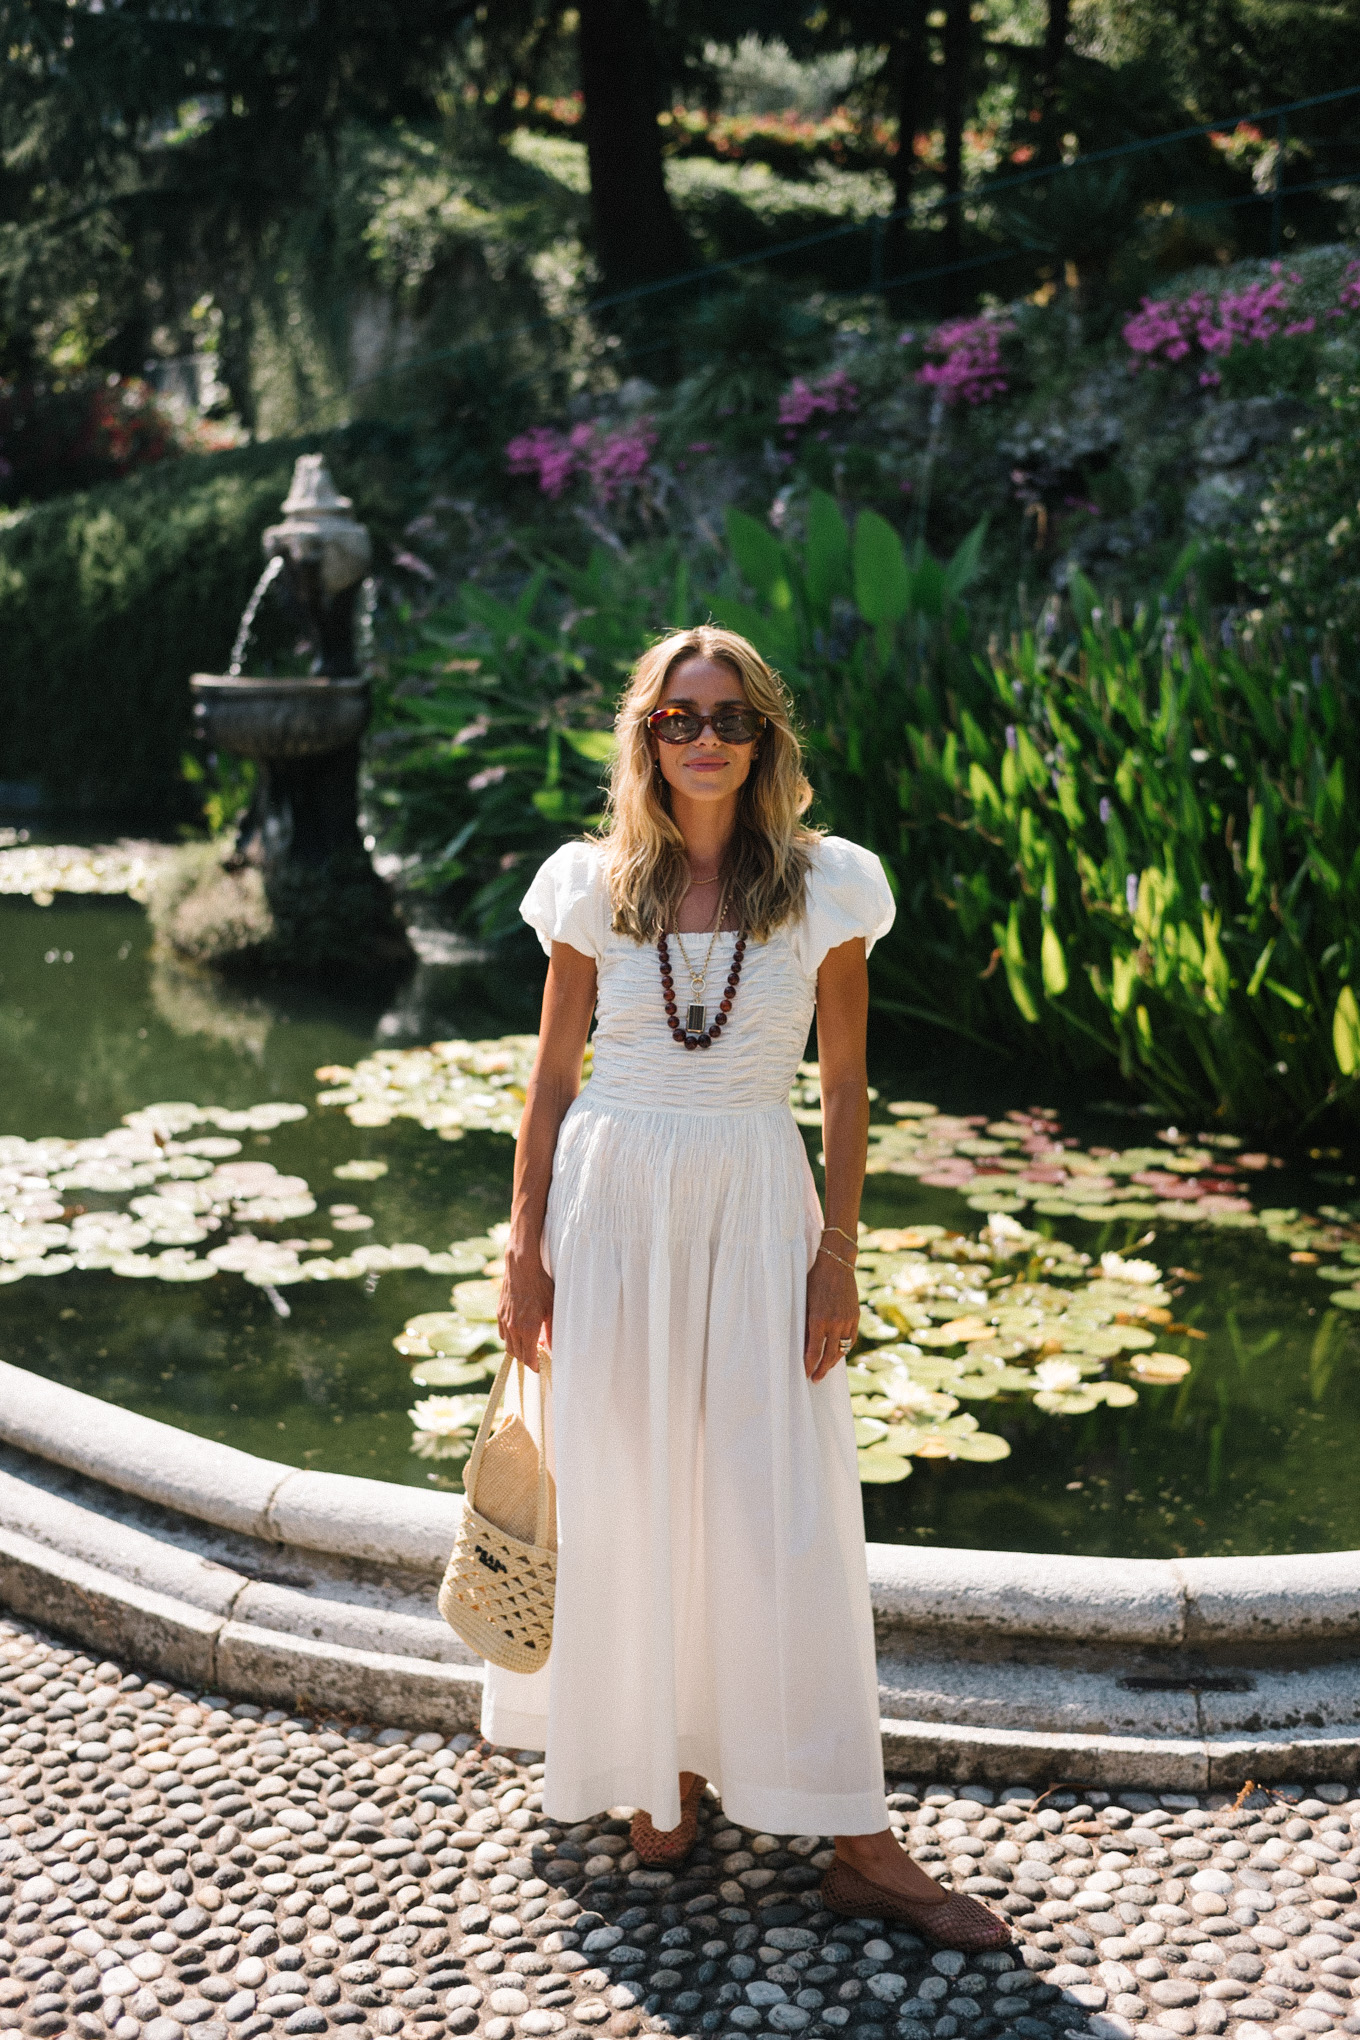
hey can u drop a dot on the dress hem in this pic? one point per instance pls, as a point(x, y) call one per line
point(761, 1809)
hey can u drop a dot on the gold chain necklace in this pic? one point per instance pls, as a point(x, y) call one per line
point(696, 1018)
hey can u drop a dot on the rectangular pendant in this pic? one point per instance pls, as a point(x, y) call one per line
point(696, 1019)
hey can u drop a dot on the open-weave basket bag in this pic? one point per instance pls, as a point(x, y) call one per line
point(499, 1587)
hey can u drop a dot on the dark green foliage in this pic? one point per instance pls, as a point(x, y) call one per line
point(498, 725)
point(1137, 852)
point(110, 599)
point(1302, 552)
point(1131, 848)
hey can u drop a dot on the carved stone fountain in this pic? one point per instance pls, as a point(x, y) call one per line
point(297, 891)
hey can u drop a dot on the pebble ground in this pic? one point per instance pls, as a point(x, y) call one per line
point(177, 1863)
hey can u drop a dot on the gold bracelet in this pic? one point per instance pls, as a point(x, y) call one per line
point(837, 1257)
point(844, 1234)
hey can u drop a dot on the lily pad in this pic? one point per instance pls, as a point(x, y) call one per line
point(1116, 1395)
point(1070, 1402)
point(477, 1300)
point(359, 1172)
point(1345, 1299)
point(448, 1334)
point(982, 1445)
point(872, 1326)
point(880, 1468)
point(440, 1372)
point(1160, 1369)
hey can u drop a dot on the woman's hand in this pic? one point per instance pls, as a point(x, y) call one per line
point(832, 1315)
point(524, 1314)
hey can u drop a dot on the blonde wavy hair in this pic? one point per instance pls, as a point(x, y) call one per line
point(645, 860)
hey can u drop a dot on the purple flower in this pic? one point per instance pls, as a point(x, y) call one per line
point(610, 459)
point(1131, 892)
point(1315, 668)
point(1018, 689)
point(1206, 895)
point(1225, 631)
point(1010, 736)
point(1105, 809)
point(546, 453)
point(830, 394)
point(620, 458)
point(970, 369)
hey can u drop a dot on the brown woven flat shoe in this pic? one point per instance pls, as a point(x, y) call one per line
point(959, 1922)
point(661, 1848)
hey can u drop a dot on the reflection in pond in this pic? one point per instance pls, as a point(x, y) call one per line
point(1037, 1394)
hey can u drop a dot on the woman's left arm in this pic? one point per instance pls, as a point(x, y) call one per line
point(842, 1023)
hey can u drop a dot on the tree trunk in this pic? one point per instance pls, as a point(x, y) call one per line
point(911, 56)
point(1050, 80)
point(957, 41)
point(637, 236)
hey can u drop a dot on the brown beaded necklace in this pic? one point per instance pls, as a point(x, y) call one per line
point(698, 1031)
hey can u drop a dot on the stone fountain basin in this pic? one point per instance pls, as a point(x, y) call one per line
point(242, 1575)
point(275, 719)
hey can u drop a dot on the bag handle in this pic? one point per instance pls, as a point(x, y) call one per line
point(479, 1443)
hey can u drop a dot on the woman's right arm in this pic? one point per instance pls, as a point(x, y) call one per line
point(526, 1305)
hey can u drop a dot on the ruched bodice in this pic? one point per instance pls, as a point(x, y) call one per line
point(752, 1064)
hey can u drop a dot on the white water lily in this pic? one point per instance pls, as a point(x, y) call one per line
point(444, 1424)
point(1057, 1375)
point(1003, 1227)
point(1116, 1269)
point(914, 1277)
point(904, 1393)
point(443, 1415)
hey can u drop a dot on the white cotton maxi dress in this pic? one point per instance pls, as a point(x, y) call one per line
point(712, 1609)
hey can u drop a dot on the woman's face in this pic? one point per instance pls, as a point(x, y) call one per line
point(706, 769)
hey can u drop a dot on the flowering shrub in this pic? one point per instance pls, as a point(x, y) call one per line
point(970, 368)
point(612, 460)
point(803, 400)
point(1169, 329)
point(93, 430)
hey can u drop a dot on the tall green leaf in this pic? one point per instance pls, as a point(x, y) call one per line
point(966, 563)
point(882, 576)
point(826, 558)
point(759, 555)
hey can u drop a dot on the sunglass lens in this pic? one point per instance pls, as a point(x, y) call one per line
point(736, 726)
point(674, 726)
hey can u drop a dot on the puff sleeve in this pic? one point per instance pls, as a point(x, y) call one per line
point(847, 895)
point(569, 901)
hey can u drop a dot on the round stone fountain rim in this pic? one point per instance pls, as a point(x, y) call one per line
point(129, 1533)
point(1308, 1597)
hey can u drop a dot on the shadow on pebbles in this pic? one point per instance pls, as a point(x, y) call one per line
point(176, 1862)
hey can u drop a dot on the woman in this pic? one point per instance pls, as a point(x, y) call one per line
point(712, 1617)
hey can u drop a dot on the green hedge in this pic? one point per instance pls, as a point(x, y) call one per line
point(111, 598)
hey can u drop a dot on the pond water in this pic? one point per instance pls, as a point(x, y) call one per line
point(1254, 1450)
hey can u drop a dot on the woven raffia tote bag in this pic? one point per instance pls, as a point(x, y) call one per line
point(499, 1587)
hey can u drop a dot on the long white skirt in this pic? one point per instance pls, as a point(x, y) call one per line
point(712, 1606)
